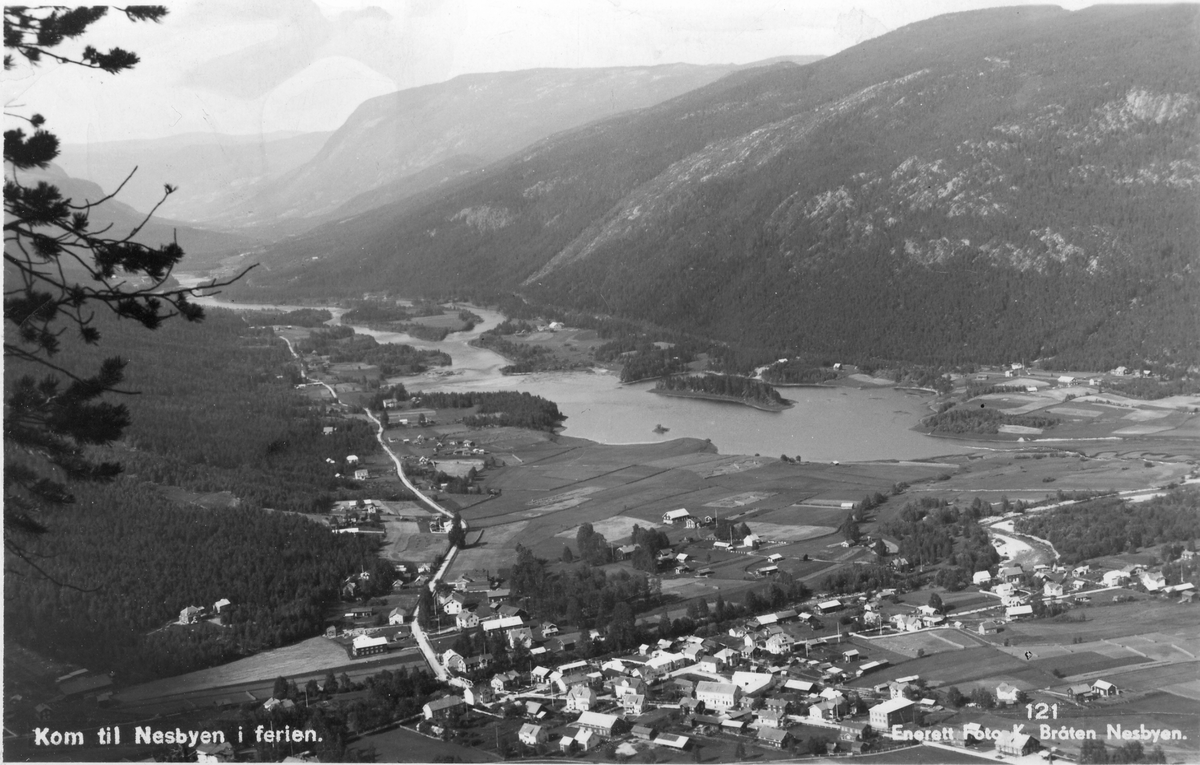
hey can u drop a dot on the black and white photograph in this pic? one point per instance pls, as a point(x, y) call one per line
point(602, 381)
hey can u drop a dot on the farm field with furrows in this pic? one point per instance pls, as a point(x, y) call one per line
point(1109, 622)
point(550, 490)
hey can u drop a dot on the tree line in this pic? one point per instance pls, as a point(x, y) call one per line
point(134, 559)
point(1111, 526)
point(983, 421)
point(341, 345)
point(724, 386)
point(499, 408)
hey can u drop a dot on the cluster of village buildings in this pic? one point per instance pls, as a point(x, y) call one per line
point(753, 684)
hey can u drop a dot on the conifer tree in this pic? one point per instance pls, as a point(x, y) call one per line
point(59, 270)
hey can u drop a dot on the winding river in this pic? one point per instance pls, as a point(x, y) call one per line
point(826, 424)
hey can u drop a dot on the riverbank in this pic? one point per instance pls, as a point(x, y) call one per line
point(762, 407)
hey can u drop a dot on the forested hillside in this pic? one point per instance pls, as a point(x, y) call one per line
point(139, 560)
point(1112, 526)
point(983, 186)
point(216, 411)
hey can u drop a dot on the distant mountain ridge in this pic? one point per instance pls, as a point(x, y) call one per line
point(214, 173)
point(982, 186)
point(200, 245)
point(435, 133)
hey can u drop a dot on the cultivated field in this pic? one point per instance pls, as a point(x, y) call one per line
point(405, 541)
point(493, 552)
point(404, 745)
point(930, 642)
point(1111, 621)
point(311, 655)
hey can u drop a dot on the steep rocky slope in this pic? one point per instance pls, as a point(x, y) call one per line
point(1011, 183)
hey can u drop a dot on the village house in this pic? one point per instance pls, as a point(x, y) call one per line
point(895, 711)
point(520, 636)
point(627, 685)
point(583, 740)
point(439, 707)
point(675, 516)
point(478, 694)
point(718, 696)
point(453, 661)
point(823, 711)
point(774, 737)
point(600, 724)
point(364, 645)
point(770, 718)
point(1007, 694)
point(1114, 578)
point(580, 698)
point(1104, 689)
point(1081, 692)
point(504, 681)
point(1015, 744)
point(633, 704)
point(453, 603)
point(1011, 573)
point(191, 615)
point(711, 664)
point(1153, 581)
point(398, 615)
point(981, 577)
point(532, 735)
point(478, 661)
point(466, 620)
point(906, 622)
point(779, 642)
point(989, 627)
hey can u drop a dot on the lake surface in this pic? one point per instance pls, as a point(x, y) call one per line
point(826, 424)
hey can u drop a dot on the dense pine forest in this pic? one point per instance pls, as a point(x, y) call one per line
point(341, 345)
point(732, 387)
point(931, 532)
point(797, 372)
point(1111, 526)
point(502, 408)
point(140, 559)
point(301, 317)
point(982, 421)
point(216, 411)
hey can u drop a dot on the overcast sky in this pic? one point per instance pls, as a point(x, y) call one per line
point(254, 66)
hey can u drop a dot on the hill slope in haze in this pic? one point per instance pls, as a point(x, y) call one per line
point(203, 247)
point(985, 186)
point(215, 173)
point(396, 145)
